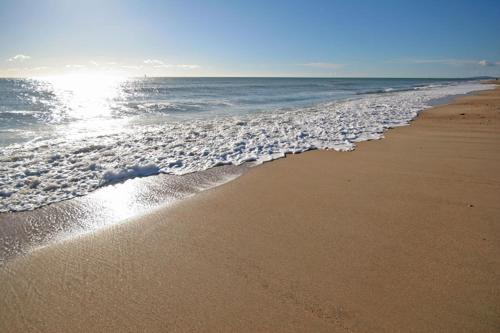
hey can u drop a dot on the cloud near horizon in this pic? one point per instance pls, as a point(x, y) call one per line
point(155, 62)
point(449, 61)
point(487, 63)
point(326, 65)
point(19, 58)
point(188, 66)
point(161, 64)
point(19, 64)
point(76, 66)
point(133, 67)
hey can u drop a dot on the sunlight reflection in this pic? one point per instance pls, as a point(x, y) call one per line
point(86, 95)
point(88, 101)
point(120, 201)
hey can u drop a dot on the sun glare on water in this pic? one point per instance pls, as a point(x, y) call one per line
point(86, 101)
point(86, 95)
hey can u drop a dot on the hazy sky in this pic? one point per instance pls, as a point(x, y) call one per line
point(251, 38)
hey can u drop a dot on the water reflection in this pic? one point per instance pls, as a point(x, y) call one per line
point(22, 232)
point(86, 96)
point(83, 105)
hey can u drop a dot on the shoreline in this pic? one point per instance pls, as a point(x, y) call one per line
point(398, 235)
point(22, 232)
point(54, 171)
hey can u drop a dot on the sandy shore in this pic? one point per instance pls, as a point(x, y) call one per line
point(401, 235)
point(21, 232)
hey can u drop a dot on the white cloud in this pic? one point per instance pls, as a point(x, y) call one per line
point(76, 66)
point(156, 63)
point(153, 62)
point(95, 63)
point(452, 62)
point(20, 71)
point(131, 67)
point(40, 68)
point(19, 58)
point(326, 65)
point(161, 64)
point(488, 63)
point(449, 62)
point(188, 66)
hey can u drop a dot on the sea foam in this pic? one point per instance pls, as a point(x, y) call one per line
point(45, 171)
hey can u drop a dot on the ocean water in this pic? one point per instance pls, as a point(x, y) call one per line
point(66, 136)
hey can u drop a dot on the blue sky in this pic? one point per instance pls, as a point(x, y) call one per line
point(251, 38)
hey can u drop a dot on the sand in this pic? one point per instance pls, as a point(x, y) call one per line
point(401, 235)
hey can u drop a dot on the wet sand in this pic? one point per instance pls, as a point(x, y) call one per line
point(401, 235)
point(23, 232)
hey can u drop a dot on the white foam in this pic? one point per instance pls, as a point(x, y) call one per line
point(45, 171)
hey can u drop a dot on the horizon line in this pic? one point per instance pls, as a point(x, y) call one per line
point(274, 77)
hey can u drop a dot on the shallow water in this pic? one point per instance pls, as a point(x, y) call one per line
point(65, 137)
point(22, 232)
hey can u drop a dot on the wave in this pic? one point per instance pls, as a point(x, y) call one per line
point(402, 89)
point(386, 90)
point(45, 171)
point(171, 106)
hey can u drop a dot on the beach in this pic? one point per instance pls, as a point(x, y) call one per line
point(399, 235)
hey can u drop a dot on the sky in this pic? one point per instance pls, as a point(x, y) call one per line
point(318, 38)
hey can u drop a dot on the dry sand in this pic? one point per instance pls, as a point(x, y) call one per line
point(401, 235)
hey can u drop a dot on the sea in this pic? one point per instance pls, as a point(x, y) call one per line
point(66, 136)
